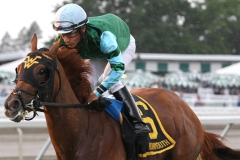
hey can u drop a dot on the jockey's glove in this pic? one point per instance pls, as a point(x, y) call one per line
point(100, 104)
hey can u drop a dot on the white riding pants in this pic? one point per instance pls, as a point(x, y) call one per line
point(101, 67)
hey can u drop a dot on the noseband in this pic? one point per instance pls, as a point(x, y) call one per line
point(34, 106)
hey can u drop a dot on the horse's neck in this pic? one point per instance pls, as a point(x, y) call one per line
point(74, 130)
point(57, 115)
point(65, 93)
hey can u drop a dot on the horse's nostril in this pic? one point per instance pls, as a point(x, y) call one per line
point(14, 104)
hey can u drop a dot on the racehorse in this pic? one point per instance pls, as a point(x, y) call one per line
point(59, 77)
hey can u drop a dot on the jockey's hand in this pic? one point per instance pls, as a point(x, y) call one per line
point(92, 97)
point(98, 104)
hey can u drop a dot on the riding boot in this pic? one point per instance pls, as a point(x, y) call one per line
point(139, 126)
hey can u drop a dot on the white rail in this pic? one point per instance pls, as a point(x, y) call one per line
point(36, 123)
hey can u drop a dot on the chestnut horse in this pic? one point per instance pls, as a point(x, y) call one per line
point(81, 133)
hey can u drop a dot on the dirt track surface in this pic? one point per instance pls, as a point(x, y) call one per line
point(34, 139)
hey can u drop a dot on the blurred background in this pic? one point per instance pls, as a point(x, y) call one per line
point(190, 47)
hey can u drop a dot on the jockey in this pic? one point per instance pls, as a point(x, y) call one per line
point(105, 41)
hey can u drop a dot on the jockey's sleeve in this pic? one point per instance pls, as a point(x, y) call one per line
point(109, 46)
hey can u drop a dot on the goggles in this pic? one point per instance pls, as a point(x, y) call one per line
point(72, 34)
point(70, 25)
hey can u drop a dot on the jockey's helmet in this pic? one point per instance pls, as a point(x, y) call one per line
point(69, 17)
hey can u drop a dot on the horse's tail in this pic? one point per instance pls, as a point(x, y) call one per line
point(213, 148)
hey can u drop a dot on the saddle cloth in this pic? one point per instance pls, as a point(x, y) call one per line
point(156, 142)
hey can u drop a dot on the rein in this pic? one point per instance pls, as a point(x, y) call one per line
point(50, 104)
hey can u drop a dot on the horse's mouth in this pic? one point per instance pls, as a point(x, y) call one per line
point(14, 111)
point(14, 116)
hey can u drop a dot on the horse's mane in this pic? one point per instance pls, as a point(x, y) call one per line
point(76, 71)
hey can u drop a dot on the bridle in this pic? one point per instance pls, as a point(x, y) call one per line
point(36, 104)
point(44, 92)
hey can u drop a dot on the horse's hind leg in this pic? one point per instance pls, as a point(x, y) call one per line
point(186, 148)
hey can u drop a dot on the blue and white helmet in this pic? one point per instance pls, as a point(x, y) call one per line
point(68, 18)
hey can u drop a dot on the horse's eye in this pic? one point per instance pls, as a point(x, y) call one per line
point(42, 71)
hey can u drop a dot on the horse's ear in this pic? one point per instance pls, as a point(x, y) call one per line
point(34, 43)
point(53, 50)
